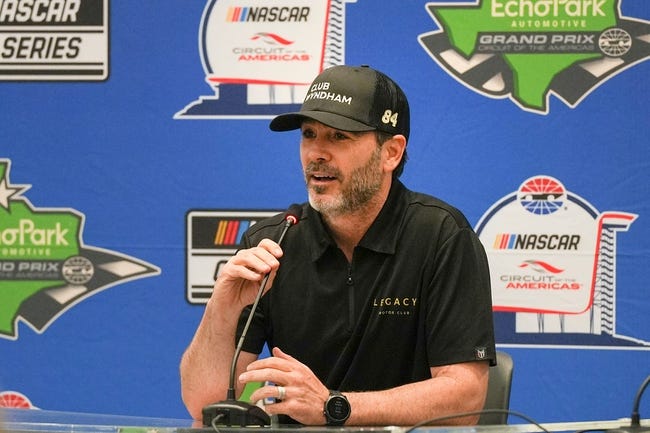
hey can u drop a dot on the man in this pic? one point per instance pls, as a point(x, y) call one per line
point(379, 299)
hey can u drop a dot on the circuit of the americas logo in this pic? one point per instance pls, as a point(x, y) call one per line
point(54, 40)
point(259, 56)
point(553, 267)
point(212, 237)
point(45, 268)
point(527, 50)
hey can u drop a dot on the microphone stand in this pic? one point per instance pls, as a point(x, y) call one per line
point(232, 412)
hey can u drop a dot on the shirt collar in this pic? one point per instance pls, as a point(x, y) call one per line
point(382, 234)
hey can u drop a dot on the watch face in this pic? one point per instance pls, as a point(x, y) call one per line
point(338, 408)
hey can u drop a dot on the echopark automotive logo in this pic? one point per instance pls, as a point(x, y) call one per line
point(45, 268)
point(528, 50)
point(552, 259)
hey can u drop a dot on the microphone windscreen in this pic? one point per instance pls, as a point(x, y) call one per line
point(294, 213)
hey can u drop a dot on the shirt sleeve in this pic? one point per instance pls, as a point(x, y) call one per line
point(459, 312)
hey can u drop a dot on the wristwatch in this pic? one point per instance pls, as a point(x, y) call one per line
point(337, 408)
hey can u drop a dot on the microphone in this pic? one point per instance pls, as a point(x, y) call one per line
point(232, 412)
point(635, 423)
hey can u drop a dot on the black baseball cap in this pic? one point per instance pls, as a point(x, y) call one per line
point(351, 98)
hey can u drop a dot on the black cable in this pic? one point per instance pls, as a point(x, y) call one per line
point(215, 420)
point(477, 412)
point(636, 418)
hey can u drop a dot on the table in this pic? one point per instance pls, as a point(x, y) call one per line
point(39, 421)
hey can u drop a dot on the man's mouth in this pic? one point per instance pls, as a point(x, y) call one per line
point(323, 178)
point(321, 175)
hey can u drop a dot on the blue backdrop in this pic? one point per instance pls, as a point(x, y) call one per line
point(116, 153)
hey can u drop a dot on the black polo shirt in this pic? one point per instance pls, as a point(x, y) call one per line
point(416, 295)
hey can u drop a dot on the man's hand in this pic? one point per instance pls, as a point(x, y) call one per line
point(304, 395)
point(239, 280)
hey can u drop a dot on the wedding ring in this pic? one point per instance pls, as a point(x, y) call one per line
point(282, 393)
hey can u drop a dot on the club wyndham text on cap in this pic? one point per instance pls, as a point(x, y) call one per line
point(351, 98)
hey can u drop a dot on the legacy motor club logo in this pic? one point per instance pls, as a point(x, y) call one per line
point(552, 262)
point(45, 269)
point(527, 50)
point(54, 40)
point(259, 56)
point(212, 238)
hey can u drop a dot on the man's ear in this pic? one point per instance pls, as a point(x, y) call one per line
point(394, 151)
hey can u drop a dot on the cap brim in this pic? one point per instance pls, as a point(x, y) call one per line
point(291, 121)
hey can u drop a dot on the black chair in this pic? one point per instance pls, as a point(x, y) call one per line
point(498, 393)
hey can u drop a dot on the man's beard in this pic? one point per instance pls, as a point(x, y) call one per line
point(364, 183)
